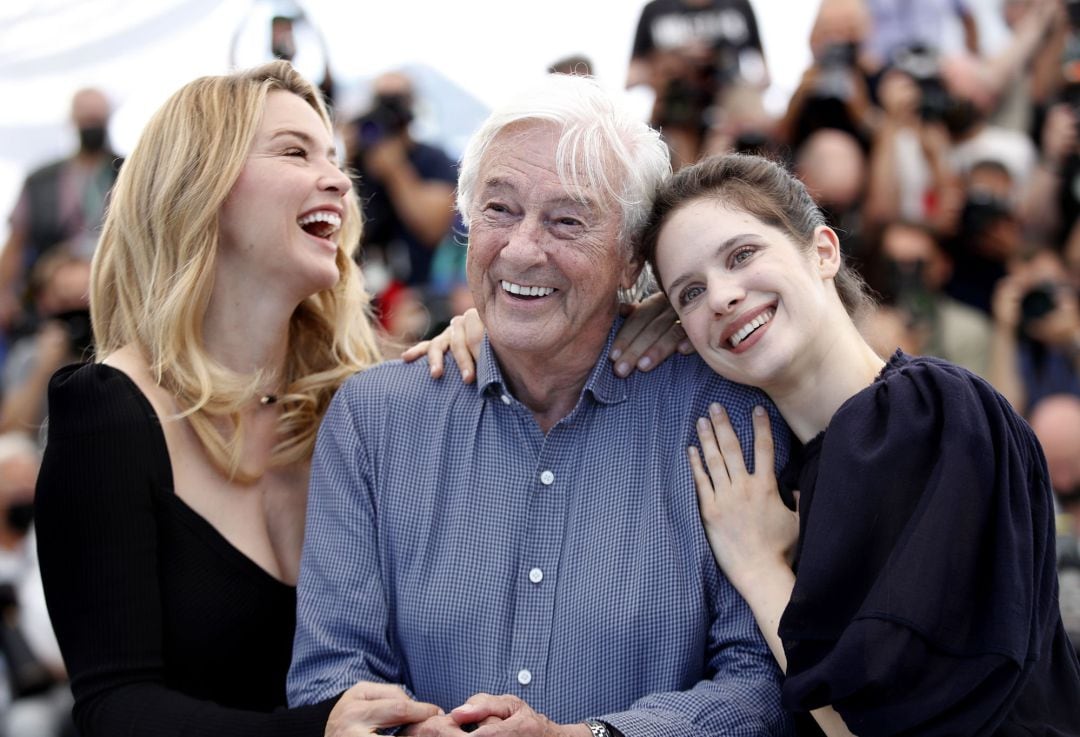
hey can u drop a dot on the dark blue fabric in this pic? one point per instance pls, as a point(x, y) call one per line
point(925, 601)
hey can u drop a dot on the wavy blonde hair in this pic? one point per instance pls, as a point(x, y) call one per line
point(153, 271)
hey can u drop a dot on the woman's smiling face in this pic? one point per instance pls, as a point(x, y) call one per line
point(751, 300)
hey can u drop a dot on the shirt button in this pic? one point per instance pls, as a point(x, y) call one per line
point(547, 478)
point(505, 398)
point(524, 677)
point(536, 575)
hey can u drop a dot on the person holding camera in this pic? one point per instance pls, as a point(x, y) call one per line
point(1035, 348)
point(406, 187)
point(687, 53)
point(60, 285)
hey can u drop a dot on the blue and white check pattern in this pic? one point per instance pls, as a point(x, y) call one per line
point(454, 548)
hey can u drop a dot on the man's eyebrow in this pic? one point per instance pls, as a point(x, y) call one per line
point(304, 138)
point(725, 245)
point(501, 184)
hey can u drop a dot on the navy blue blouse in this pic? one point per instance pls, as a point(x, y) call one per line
point(925, 599)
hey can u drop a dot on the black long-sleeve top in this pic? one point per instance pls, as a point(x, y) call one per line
point(165, 627)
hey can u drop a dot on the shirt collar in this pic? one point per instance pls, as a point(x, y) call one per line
point(602, 383)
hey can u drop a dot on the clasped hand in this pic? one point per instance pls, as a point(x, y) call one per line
point(749, 528)
point(368, 707)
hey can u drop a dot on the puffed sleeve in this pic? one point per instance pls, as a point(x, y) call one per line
point(98, 547)
point(924, 588)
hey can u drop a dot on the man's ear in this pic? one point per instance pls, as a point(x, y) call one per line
point(827, 251)
point(631, 274)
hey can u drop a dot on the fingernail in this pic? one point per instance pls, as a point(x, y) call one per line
point(716, 409)
point(759, 410)
point(615, 353)
point(622, 369)
point(703, 423)
point(644, 363)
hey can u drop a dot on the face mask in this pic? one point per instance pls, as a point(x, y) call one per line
point(1070, 497)
point(19, 516)
point(92, 138)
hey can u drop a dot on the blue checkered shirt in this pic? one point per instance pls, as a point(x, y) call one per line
point(454, 548)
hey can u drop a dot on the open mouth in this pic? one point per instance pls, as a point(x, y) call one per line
point(749, 328)
point(321, 224)
point(523, 291)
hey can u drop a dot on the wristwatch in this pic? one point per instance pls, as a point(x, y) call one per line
point(598, 729)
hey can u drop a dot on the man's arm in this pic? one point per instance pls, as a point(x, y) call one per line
point(342, 624)
point(425, 205)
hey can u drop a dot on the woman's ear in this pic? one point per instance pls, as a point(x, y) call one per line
point(827, 251)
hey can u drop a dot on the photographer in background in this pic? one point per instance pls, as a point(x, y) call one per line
point(910, 269)
point(34, 697)
point(687, 52)
point(60, 286)
point(406, 187)
point(60, 207)
point(1035, 349)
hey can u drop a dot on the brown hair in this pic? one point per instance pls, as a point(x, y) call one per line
point(760, 187)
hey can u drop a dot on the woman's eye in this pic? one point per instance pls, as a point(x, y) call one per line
point(689, 294)
point(741, 255)
point(296, 152)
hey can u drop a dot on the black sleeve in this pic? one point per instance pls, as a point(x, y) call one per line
point(643, 40)
point(925, 586)
point(97, 542)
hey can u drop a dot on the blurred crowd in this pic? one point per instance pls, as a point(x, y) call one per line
point(952, 175)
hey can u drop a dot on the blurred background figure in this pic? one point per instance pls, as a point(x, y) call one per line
point(910, 271)
point(60, 289)
point(406, 188)
point(1056, 422)
point(60, 207)
point(833, 166)
point(34, 697)
point(687, 52)
point(1035, 348)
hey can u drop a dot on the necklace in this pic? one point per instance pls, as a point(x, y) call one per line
point(268, 399)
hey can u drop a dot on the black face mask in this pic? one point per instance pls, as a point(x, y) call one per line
point(19, 516)
point(92, 138)
point(1070, 497)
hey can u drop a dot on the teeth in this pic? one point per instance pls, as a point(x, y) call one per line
point(321, 216)
point(750, 327)
point(526, 291)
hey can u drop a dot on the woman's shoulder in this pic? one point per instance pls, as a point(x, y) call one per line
point(95, 397)
point(912, 391)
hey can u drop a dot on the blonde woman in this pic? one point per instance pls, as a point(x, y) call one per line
point(170, 506)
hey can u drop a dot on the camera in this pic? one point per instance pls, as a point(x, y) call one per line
point(921, 64)
point(837, 63)
point(981, 211)
point(1038, 302)
point(389, 116)
point(79, 330)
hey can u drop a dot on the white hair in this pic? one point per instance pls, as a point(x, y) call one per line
point(603, 147)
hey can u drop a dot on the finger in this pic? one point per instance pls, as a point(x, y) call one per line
point(459, 347)
point(437, 349)
point(705, 490)
point(638, 318)
point(763, 441)
point(414, 352)
point(686, 347)
point(727, 440)
point(714, 459)
point(372, 690)
point(656, 341)
point(481, 706)
point(392, 712)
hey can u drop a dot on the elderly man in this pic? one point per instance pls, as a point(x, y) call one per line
point(528, 548)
